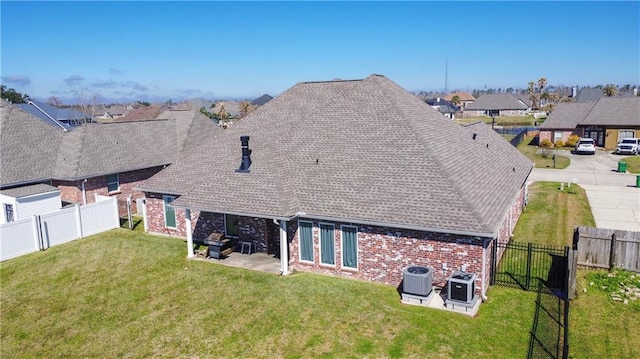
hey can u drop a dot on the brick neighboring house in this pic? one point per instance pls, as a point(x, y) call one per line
point(494, 105)
point(465, 98)
point(607, 121)
point(95, 159)
point(350, 178)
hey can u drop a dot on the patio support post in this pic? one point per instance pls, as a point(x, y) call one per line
point(284, 248)
point(187, 222)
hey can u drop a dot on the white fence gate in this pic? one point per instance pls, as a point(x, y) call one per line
point(43, 231)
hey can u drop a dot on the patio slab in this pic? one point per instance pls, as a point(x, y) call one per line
point(260, 262)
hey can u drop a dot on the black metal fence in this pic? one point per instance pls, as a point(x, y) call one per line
point(518, 133)
point(550, 331)
point(545, 270)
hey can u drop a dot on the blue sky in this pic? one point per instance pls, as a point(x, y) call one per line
point(128, 51)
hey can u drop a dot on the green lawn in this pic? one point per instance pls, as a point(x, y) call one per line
point(127, 294)
point(528, 120)
point(633, 163)
point(542, 160)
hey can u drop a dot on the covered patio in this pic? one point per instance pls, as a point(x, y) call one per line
point(261, 262)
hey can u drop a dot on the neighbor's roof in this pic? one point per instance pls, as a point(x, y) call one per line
point(589, 94)
point(566, 115)
point(142, 113)
point(33, 151)
point(28, 146)
point(262, 100)
point(31, 190)
point(615, 111)
point(496, 102)
point(463, 96)
point(362, 151)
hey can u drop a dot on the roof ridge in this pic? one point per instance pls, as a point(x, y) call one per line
point(441, 167)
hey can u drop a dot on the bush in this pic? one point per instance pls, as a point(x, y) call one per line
point(572, 141)
point(559, 143)
point(546, 143)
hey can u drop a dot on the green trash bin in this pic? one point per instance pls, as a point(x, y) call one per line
point(638, 181)
point(622, 167)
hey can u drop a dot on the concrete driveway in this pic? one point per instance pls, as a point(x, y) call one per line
point(613, 196)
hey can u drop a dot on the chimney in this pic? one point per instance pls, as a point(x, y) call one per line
point(246, 155)
point(574, 91)
point(635, 91)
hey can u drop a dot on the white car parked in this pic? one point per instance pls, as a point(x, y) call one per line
point(586, 145)
point(628, 146)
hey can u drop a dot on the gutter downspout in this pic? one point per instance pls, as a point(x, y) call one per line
point(484, 288)
point(284, 248)
point(48, 116)
point(84, 192)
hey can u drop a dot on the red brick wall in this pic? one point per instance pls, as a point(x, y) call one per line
point(382, 252)
point(71, 191)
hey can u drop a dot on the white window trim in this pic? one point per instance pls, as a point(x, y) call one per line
point(117, 190)
point(320, 243)
point(342, 227)
point(313, 252)
point(225, 225)
point(164, 211)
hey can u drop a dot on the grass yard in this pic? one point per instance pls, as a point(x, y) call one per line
point(528, 120)
point(127, 294)
point(633, 164)
point(599, 327)
point(538, 159)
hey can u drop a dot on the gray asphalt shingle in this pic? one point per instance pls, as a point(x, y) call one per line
point(362, 150)
point(496, 102)
point(567, 115)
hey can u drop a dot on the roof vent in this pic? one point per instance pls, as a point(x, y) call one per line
point(474, 136)
point(246, 155)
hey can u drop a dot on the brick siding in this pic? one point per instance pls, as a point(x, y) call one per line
point(383, 252)
point(71, 191)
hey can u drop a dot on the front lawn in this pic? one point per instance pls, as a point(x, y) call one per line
point(541, 157)
point(633, 163)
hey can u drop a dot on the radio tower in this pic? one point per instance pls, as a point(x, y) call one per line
point(446, 75)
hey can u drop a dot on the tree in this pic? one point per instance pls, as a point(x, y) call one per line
point(246, 108)
point(455, 100)
point(610, 90)
point(12, 95)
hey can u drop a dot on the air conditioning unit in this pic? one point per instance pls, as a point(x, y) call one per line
point(461, 288)
point(417, 280)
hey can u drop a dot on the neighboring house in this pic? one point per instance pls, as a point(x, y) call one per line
point(495, 105)
point(68, 117)
point(610, 120)
point(64, 118)
point(24, 202)
point(465, 98)
point(115, 112)
point(95, 159)
point(262, 100)
point(562, 122)
point(607, 121)
point(141, 113)
point(445, 107)
point(354, 178)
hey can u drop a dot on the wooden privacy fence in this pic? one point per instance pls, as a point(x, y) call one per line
point(607, 248)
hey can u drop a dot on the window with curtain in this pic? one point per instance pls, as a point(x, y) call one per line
point(231, 225)
point(305, 236)
point(169, 212)
point(350, 247)
point(327, 239)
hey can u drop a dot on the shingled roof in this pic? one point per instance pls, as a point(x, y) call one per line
point(361, 151)
point(615, 111)
point(567, 115)
point(501, 101)
point(33, 151)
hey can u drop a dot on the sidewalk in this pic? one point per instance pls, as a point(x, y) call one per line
point(613, 197)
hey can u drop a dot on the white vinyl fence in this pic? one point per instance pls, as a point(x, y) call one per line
point(43, 231)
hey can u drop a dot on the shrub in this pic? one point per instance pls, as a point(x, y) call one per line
point(572, 141)
point(546, 143)
point(559, 143)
